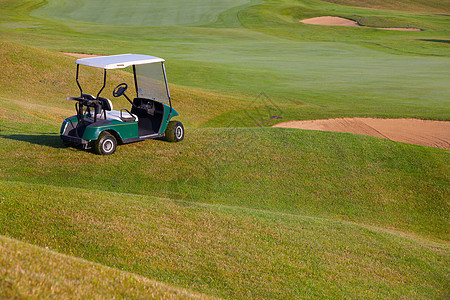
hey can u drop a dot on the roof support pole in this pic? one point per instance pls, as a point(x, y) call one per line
point(135, 81)
point(78, 83)
point(167, 86)
point(104, 84)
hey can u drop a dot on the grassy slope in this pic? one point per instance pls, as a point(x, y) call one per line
point(31, 272)
point(225, 251)
point(400, 189)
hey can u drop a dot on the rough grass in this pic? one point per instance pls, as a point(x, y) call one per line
point(224, 251)
point(31, 272)
point(339, 176)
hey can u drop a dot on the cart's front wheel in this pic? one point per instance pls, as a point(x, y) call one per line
point(174, 131)
point(105, 144)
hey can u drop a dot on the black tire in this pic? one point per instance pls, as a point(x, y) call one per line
point(105, 144)
point(174, 132)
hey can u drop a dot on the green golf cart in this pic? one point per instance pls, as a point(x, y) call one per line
point(99, 127)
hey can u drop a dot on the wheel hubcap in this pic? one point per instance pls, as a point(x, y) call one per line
point(107, 146)
point(179, 132)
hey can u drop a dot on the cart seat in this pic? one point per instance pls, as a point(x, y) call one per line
point(106, 103)
point(126, 116)
point(115, 114)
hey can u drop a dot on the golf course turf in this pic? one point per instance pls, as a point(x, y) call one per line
point(235, 210)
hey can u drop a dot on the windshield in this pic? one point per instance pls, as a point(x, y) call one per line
point(151, 82)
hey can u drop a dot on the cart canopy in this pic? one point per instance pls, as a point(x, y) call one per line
point(149, 73)
point(118, 61)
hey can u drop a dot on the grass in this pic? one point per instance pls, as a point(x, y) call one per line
point(35, 272)
point(337, 176)
point(412, 5)
point(141, 13)
point(283, 20)
point(233, 211)
point(225, 251)
point(283, 62)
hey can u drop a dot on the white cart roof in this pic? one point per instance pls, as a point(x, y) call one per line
point(118, 61)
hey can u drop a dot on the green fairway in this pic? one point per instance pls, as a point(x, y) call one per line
point(309, 71)
point(235, 210)
point(138, 12)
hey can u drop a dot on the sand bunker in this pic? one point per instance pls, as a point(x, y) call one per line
point(330, 21)
point(412, 131)
point(80, 55)
point(337, 21)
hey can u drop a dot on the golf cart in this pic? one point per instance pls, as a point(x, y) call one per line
point(97, 126)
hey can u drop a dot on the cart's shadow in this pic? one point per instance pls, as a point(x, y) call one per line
point(49, 139)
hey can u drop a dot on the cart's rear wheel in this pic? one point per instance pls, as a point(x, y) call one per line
point(105, 144)
point(174, 131)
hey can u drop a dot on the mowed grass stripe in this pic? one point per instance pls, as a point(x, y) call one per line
point(139, 12)
point(223, 251)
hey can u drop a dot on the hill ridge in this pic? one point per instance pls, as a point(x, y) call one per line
point(28, 270)
point(411, 236)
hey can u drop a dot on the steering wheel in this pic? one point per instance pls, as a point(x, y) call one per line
point(120, 90)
